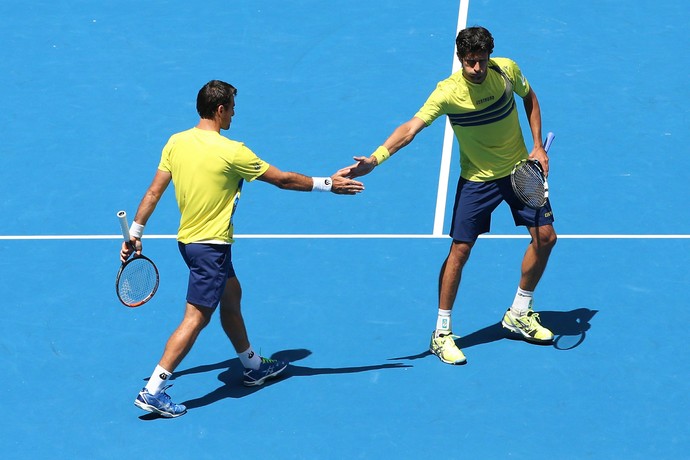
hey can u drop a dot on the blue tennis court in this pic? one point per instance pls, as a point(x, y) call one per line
point(344, 287)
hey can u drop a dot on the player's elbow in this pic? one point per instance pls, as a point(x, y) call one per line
point(284, 182)
point(153, 196)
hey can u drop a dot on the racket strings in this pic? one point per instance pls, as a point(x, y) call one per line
point(528, 183)
point(137, 282)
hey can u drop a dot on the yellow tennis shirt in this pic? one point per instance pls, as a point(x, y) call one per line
point(208, 171)
point(484, 119)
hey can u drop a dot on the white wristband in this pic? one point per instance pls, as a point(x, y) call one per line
point(136, 230)
point(322, 184)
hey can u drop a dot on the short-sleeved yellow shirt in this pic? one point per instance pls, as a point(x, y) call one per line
point(484, 119)
point(208, 171)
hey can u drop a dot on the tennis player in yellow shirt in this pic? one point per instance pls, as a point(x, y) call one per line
point(480, 105)
point(208, 171)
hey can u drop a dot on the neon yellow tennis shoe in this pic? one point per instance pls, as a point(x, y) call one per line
point(528, 326)
point(445, 348)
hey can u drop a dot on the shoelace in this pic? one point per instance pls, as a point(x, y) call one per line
point(451, 337)
point(165, 396)
point(529, 322)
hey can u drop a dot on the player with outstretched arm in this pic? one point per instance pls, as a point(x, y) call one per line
point(208, 171)
point(480, 106)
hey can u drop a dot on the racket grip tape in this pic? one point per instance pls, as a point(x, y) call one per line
point(122, 217)
point(549, 139)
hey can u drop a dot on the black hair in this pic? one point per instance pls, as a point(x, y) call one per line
point(474, 40)
point(212, 95)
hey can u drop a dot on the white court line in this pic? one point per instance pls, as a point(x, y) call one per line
point(448, 138)
point(355, 236)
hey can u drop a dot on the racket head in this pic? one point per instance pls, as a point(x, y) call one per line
point(137, 281)
point(529, 183)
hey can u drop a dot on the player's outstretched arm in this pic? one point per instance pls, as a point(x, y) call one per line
point(403, 135)
point(337, 183)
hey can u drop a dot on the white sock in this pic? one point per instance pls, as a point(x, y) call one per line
point(443, 322)
point(158, 380)
point(249, 359)
point(522, 302)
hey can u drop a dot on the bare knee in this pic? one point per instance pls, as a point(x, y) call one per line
point(550, 238)
point(196, 317)
point(544, 238)
point(459, 253)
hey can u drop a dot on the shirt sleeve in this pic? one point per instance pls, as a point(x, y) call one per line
point(248, 165)
point(520, 83)
point(434, 106)
point(164, 164)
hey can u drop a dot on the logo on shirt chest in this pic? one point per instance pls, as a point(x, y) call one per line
point(485, 100)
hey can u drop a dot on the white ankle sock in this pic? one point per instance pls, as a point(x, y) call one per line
point(249, 359)
point(158, 380)
point(443, 322)
point(522, 302)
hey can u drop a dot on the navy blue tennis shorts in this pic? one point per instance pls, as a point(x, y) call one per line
point(210, 266)
point(476, 201)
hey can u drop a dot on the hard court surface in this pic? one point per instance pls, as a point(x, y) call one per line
point(344, 287)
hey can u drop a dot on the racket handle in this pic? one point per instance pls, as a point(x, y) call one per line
point(549, 139)
point(122, 217)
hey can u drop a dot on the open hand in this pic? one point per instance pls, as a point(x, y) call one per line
point(343, 185)
point(363, 167)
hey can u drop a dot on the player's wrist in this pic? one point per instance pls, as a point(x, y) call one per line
point(380, 155)
point(322, 184)
point(136, 230)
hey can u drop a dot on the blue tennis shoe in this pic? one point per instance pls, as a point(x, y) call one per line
point(269, 368)
point(160, 403)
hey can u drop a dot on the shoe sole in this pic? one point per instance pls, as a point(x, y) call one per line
point(454, 363)
point(261, 381)
point(527, 337)
point(155, 410)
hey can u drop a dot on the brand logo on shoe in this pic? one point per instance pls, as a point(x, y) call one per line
point(527, 326)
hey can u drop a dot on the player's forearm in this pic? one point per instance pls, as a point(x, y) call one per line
point(533, 112)
point(295, 181)
point(146, 207)
point(402, 136)
point(152, 196)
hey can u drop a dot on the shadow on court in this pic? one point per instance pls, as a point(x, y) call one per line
point(232, 369)
point(569, 329)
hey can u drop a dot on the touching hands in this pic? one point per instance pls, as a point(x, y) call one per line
point(363, 167)
point(344, 185)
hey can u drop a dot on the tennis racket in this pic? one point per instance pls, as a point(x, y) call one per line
point(529, 182)
point(137, 279)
